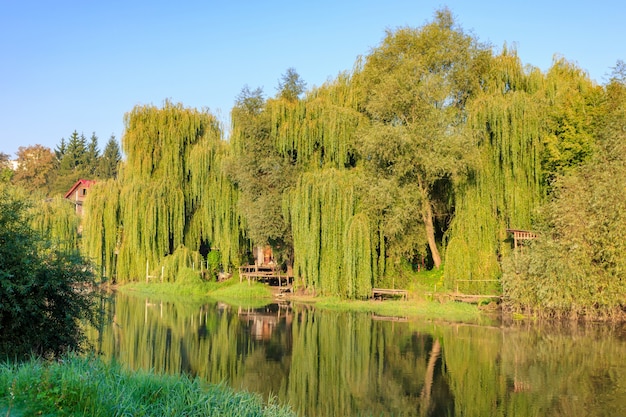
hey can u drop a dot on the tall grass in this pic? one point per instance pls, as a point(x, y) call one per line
point(88, 386)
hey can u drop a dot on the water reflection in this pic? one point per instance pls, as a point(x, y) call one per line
point(348, 364)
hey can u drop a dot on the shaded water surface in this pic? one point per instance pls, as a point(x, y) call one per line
point(326, 363)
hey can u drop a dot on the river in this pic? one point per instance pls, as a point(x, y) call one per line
point(327, 363)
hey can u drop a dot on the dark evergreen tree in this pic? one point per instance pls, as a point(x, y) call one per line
point(92, 156)
point(110, 159)
point(60, 150)
point(72, 166)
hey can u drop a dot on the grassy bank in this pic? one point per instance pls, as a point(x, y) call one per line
point(413, 308)
point(418, 305)
point(91, 387)
point(231, 291)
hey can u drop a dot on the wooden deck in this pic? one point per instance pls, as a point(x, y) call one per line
point(265, 274)
point(380, 293)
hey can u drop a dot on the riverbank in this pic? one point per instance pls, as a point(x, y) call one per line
point(418, 304)
point(88, 386)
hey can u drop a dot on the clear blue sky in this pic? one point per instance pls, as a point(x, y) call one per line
point(81, 65)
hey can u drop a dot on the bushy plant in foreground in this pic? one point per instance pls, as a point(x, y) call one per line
point(43, 290)
point(90, 387)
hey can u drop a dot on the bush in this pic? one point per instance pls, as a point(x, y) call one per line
point(44, 293)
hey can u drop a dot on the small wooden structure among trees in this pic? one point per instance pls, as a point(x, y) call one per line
point(520, 235)
point(265, 269)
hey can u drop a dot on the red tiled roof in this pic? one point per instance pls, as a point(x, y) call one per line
point(86, 183)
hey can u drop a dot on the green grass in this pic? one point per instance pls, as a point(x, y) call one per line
point(229, 288)
point(230, 291)
point(419, 304)
point(87, 386)
point(413, 308)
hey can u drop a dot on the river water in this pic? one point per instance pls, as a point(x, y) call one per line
point(326, 363)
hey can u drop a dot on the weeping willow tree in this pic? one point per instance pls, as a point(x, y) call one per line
point(529, 128)
point(319, 130)
point(57, 221)
point(101, 225)
point(294, 162)
point(505, 186)
point(171, 192)
point(332, 240)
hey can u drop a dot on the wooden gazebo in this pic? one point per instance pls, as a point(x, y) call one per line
point(520, 235)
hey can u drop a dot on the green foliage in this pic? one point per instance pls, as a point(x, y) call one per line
point(182, 266)
point(259, 172)
point(90, 387)
point(214, 262)
point(56, 220)
point(276, 143)
point(6, 171)
point(35, 169)
point(75, 162)
point(572, 100)
point(415, 86)
point(332, 242)
point(188, 276)
point(291, 86)
point(171, 191)
point(109, 161)
point(504, 188)
point(578, 266)
point(44, 291)
point(101, 227)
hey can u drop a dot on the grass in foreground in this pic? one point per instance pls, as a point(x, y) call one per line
point(90, 387)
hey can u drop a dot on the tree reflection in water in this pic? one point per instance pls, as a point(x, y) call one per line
point(326, 363)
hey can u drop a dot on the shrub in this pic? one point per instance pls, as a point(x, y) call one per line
point(44, 292)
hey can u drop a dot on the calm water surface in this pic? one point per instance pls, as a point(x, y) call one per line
point(351, 364)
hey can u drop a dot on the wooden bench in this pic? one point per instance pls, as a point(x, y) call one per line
point(381, 293)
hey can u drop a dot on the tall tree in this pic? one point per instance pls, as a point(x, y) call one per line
point(92, 156)
point(416, 84)
point(504, 188)
point(259, 171)
point(35, 168)
point(578, 266)
point(571, 100)
point(60, 150)
point(110, 160)
point(293, 161)
point(72, 165)
point(171, 198)
point(291, 85)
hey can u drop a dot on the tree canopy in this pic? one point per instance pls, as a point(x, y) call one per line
point(423, 155)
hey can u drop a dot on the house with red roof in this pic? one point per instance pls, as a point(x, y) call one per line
point(78, 193)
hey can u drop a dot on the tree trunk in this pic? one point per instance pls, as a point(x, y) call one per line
point(427, 214)
point(429, 377)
